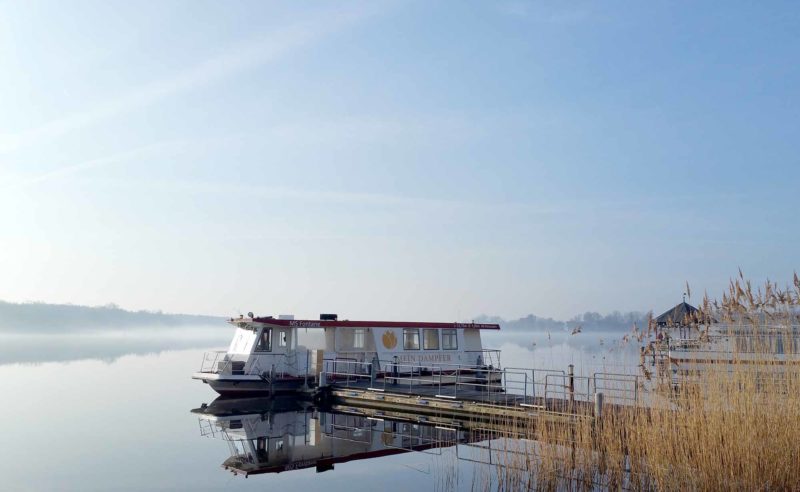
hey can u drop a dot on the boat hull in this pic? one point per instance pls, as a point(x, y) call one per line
point(251, 386)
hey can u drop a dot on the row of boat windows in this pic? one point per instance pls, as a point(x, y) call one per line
point(411, 339)
point(430, 339)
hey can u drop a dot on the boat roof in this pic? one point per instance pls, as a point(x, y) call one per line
point(307, 323)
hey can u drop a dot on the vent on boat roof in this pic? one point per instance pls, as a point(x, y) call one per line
point(328, 317)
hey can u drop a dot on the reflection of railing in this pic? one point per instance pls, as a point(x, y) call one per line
point(405, 436)
point(207, 428)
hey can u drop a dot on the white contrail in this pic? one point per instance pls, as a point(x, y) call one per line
point(247, 55)
point(90, 164)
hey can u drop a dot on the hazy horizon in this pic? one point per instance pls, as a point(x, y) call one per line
point(50, 317)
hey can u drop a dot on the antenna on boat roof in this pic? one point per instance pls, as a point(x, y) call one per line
point(250, 314)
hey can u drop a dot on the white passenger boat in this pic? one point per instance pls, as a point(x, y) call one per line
point(271, 355)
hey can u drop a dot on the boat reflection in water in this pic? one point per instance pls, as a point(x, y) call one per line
point(268, 435)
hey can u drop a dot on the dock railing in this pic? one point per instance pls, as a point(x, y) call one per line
point(509, 386)
point(567, 387)
point(531, 384)
point(618, 387)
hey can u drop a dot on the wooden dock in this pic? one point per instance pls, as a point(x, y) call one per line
point(468, 404)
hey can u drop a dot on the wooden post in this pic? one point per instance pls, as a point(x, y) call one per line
point(598, 405)
point(571, 373)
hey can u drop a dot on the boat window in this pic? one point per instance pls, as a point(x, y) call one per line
point(430, 339)
point(282, 338)
point(264, 341)
point(358, 338)
point(411, 338)
point(450, 339)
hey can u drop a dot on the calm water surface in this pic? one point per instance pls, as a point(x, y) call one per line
point(125, 422)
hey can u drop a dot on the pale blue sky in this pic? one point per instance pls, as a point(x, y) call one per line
point(395, 160)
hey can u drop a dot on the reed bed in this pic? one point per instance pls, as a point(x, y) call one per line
point(733, 426)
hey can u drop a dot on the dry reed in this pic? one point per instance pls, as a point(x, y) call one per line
point(731, 426)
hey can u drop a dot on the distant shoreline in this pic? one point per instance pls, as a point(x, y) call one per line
point(61, 318)
point(68, 318)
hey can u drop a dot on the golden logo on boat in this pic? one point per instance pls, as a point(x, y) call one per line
point(389, 340)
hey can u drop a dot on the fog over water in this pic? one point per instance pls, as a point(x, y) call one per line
point(108, 407)
point(38, 332)
point(89, 416)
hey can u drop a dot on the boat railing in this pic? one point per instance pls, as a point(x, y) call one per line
point(361, 356)
point(731, 345)
point(221, 362)
point(216, 362)
point(270, 368)
point(485, 357)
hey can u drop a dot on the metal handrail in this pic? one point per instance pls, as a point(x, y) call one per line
point(512, 382)
point(214, 357)
point(570, 385)
point(617, 377)
point(489, 359)
point(533, 381)
point(221, 362)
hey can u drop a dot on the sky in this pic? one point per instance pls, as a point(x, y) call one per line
point(396, 160)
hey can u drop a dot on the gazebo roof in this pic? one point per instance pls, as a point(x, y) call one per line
point(682, 314)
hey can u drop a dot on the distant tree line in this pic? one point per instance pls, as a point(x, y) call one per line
point(589, 320)
point(58, 318)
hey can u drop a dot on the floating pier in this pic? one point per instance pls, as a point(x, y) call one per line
point(468, 394)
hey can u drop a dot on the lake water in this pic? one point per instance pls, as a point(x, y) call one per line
point(81, 414)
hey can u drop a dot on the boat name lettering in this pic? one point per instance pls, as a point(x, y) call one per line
point(305, 324)
point(473, 325)
point(424, 358)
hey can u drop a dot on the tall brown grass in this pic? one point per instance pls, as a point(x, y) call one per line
point(731, 426)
